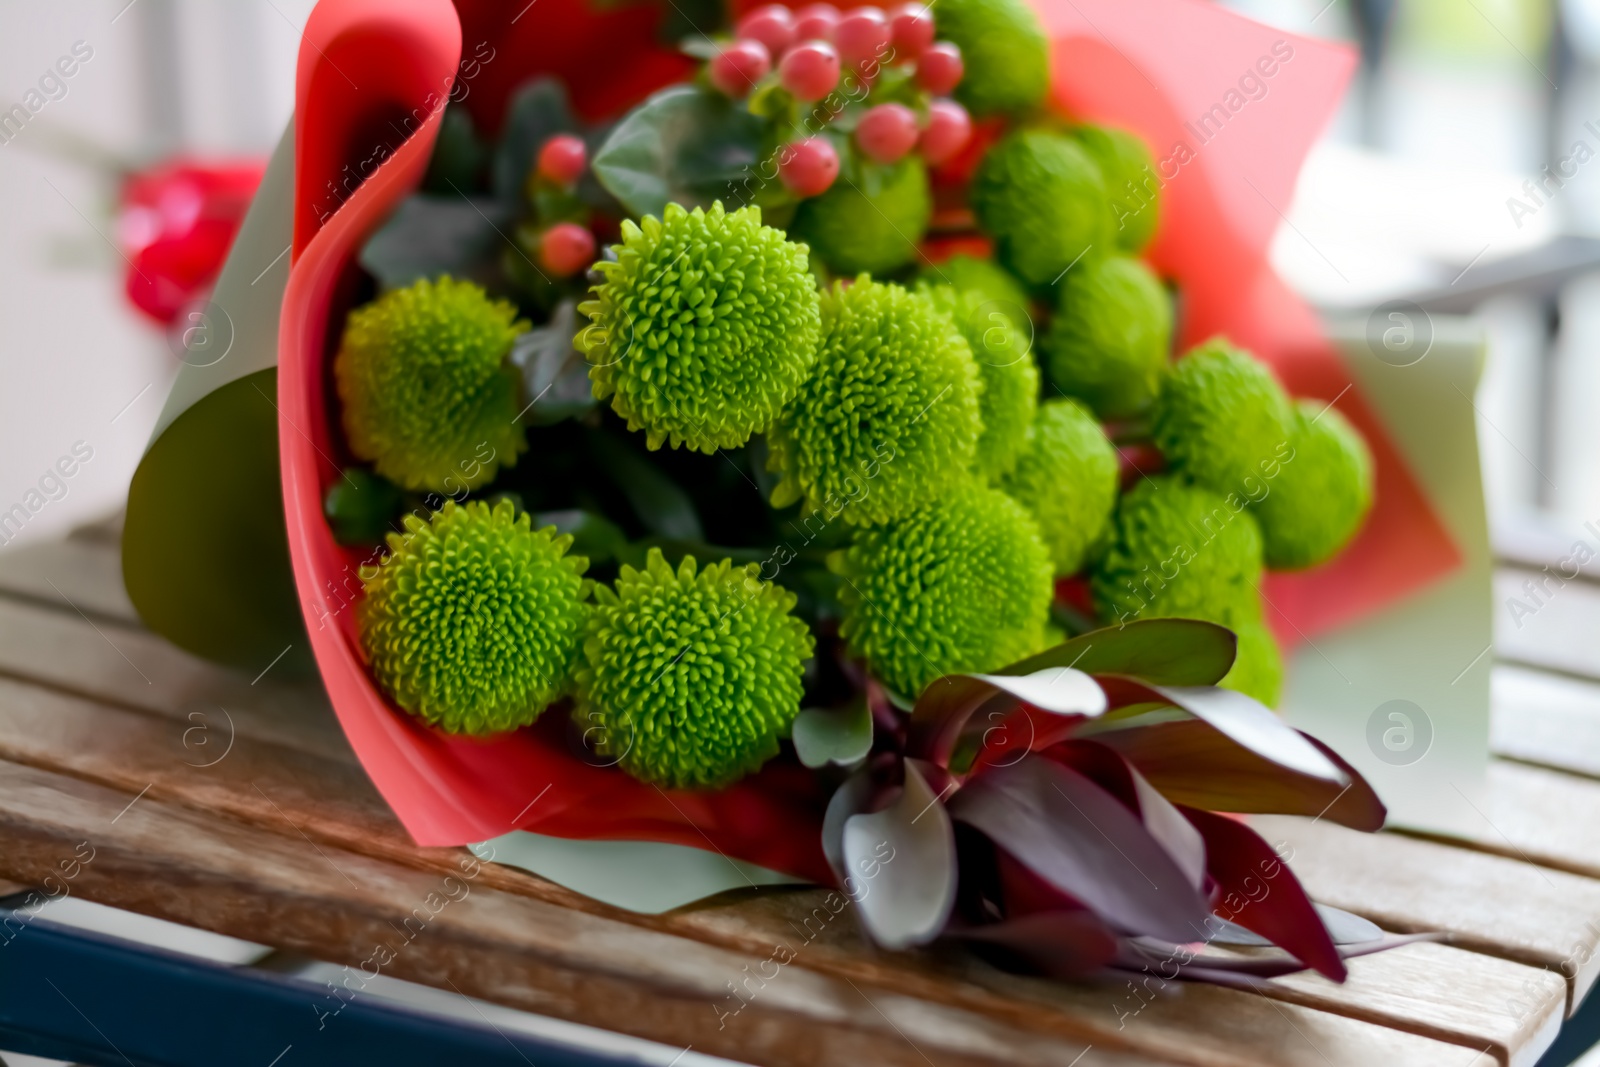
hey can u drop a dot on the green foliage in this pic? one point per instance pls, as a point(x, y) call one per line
point(1130, 176)
point(871, 218)
point(1108, 343)
point(1010, 376)
point(1321, 495)
point(359, 506)
point(471, 623)
point(704, 327)
point(1041, 197)
point(889, 420)
point(961, 584)
point(1004, 48)
point(1222, 419)
point(692, 678)
point(425, 386)
point(1067, 478)
point(1179, 551)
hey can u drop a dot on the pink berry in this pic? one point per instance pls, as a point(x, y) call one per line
point(948, 131)
point(771, 24)
point(887, 132)
point(816, 22)
point(862, 37)
point(738, 66)
point(809, 71)
point(808, 168)
point(911, 30)
point(940, 68)
point(562, 159)
point(566, 249)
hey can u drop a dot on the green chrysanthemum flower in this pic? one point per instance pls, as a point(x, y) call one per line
point(1321, 493)
point(870, 219)
point(703, 328)
point(1222, 419)
point(1067, 478)
point(472, 621)
point(961, 584)
point(1005, 52)
point(998, 290)
point(1129, 171)
point(692, 678)
point(1041, 197)
point(1258, 670)
point(1010, 376)
point(424, 384)
point(1108, 343)
point(1179, 551)
point(889, 420)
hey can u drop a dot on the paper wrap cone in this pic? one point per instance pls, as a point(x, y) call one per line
point(372, 81)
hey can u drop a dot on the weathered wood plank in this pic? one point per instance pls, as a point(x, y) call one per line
point(210, 872)
point(1512, 1010)
point(137, 669)
point(292, 793)
point(1540, 816)
point(81, 576)
point(1545, 718)
point(1541, 621)
point(1488, 903)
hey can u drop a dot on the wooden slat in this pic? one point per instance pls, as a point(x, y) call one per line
point(1545, 718)
point(84, 576)
point(1539, 816)
point(1490, 904)
point(1511, 1010)
point(207, 871)
point(1554, 626)
point(290, 792)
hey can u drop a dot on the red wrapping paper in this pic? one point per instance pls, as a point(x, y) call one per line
point(372, 81)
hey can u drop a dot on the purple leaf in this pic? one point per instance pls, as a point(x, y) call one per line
point(947, 705)
point(1191, 762)
point(1161, 651)
point(1063, 944)
point(1242, 718)
point(1084, 842)
point(853, 796)
point(900, 865)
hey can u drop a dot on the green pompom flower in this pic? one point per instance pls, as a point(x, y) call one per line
point(1010, 376)
point(1108, 343)
point(1179, 551)
point(425, 386)
point(703, 328)
point(870, 219)
point(1003, 47)
point(1042, 199)
point(1222, 419)
point(1129, 171)
point(1258, 670)
point(961, 584)
point(998, 290)
point(889, 420)
point(1067, 478)
point(1321, 493)
point(691, 679)
point(472, 621)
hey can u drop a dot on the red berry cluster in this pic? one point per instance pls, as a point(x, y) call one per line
point(567, 247)
point(814, 45)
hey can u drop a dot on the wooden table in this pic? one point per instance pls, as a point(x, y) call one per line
point(232, 803)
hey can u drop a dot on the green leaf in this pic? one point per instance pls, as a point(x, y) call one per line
point(361, 506)
point(538, 110)
point(593, 536)
point(660, 503)
point(1179, 652)
point(699, 46)
point(833, 735)
point(685, 145)
point(555, 376)
point(432, 235)
point(458, 156)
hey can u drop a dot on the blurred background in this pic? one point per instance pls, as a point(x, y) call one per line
point(1431, 185)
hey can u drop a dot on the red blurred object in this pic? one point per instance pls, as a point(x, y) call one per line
point(175, 223)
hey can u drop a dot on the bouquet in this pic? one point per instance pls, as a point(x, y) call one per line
point(779, 447)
